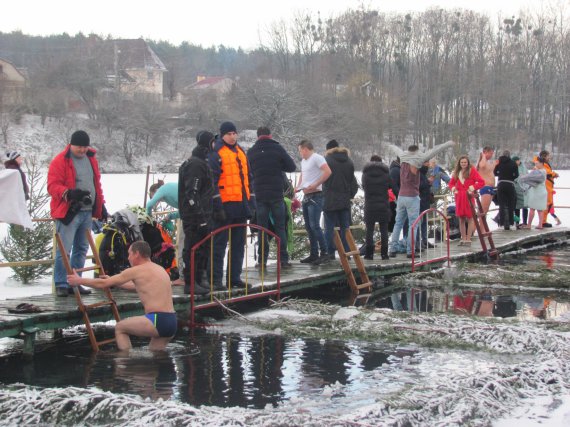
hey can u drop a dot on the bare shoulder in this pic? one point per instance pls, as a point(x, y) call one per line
point(154, 271)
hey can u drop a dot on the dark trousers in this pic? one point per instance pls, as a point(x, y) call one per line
point(339, 218)
point(275, 210)
point(192, 235)
point(507, 201)
point(237, 249)
point(370, 236)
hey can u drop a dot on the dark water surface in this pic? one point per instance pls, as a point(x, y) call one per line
point(206, 369)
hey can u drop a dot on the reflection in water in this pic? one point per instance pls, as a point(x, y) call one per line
point(143, 373)
point(228, 370)
point(483, 303)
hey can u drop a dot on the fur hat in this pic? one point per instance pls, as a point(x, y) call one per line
point(227, 127)
point(332, 144)
point(204, 139)
point(12, 155)
point(80, 138)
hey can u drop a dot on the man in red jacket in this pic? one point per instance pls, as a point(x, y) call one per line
point(74, 184)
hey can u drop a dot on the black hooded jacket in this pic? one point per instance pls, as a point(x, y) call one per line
point(507, 169)
point(195, 188)
point(341, 186)
point(376, 181)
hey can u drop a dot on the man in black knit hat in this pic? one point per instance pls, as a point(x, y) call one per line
point(195, 193)
point(74, 184)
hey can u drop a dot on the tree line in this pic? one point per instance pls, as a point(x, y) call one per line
point(364, 77)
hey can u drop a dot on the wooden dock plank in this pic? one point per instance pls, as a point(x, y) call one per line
point(63, 312)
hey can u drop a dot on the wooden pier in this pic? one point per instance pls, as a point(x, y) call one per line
point(60, 313)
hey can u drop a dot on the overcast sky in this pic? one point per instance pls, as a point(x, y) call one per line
point(204, 22)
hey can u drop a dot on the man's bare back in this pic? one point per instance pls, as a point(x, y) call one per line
point(152, 284)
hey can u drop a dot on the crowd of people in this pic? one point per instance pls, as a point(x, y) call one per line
point(221, 186)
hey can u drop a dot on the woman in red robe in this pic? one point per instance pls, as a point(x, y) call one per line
point(465, 180)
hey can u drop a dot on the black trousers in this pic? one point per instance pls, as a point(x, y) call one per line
point(193, 234)
point(507, 196)
point(370, 236)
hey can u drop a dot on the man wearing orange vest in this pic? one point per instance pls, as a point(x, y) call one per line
point(234, 203)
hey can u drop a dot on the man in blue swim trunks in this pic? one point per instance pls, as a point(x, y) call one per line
point(486, 167)
point(152, 284)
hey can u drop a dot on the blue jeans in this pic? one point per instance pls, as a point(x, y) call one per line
point(407, 208)
point(237, 250)
point(272, 210)
point(340, 218)
point(75, 242)
point(312, 208)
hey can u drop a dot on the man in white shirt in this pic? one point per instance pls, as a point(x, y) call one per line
point(314, 171)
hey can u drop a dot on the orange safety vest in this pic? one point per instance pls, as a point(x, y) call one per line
point(234, 167)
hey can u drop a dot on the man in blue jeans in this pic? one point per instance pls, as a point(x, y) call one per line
point(268, 161)
point(408, 203)
point(74, 184)
point(314, 171)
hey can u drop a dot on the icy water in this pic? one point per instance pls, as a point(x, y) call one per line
point(530, 300)
point(206, 369)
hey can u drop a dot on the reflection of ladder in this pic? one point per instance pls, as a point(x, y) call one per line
point(344, 260)
point(84, 308)
point(480, 219)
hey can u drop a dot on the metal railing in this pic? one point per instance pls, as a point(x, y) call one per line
point(425, 251)
point(248, 295)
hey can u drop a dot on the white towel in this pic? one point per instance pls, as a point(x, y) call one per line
point(13, 208)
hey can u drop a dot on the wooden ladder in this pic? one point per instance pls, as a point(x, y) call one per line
point(481, 226)
point(84, 308)
point(345, 257)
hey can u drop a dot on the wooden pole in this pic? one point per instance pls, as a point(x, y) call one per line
point(146, 186)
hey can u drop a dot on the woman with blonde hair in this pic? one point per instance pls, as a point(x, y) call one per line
point(465, 180)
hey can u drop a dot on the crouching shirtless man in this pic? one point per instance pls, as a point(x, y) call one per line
point(152, 284)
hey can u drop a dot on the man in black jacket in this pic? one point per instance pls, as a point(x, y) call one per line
point(338, 190)
point(268, 160)
point(195, 193)
point(376, 182)
point(506, 171)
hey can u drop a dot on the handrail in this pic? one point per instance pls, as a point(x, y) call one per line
point(413, 239)
point(210, 237)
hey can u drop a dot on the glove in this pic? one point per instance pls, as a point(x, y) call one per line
point(219, 216)
point(104, 213)
point(76, 194)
